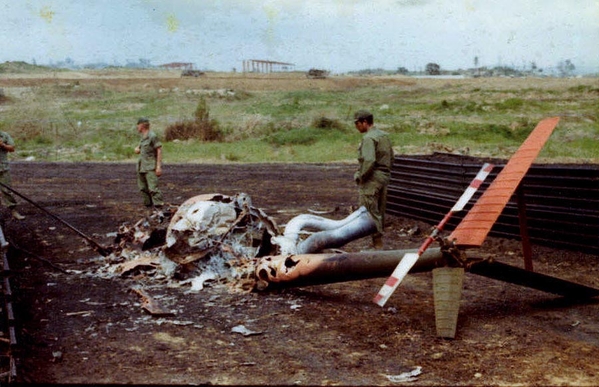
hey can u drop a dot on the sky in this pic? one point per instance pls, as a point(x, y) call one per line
point(336, 35)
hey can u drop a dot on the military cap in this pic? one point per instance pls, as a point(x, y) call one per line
point(362, 115)
point(143, 120)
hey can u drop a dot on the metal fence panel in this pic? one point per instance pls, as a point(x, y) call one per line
point(562, 201)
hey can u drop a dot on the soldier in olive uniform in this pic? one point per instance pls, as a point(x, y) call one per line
point(375, 157)
point(7, 145)
point(149, 166)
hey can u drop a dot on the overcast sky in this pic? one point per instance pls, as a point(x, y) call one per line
point(338, 35)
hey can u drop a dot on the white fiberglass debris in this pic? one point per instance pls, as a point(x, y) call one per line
point(410, 376)
point(197, 283)
point(168, 267)
point(197, 219)
point(244, 331)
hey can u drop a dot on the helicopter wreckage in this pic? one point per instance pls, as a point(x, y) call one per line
point(215, 238)
point(225, 239)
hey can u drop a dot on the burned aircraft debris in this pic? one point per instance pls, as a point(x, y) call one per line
point(220, 238)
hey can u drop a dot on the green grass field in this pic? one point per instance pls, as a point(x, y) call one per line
point(268, 118)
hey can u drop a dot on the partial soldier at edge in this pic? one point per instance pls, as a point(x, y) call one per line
point(7, 145)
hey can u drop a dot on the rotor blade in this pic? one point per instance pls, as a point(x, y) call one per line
point(515, 275)
point(473, 187)
point(395, 279)
point(409, 259)
point(473, 229)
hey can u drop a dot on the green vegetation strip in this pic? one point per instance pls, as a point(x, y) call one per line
point(95, 120)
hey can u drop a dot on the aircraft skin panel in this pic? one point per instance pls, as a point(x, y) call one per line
point(473, 229)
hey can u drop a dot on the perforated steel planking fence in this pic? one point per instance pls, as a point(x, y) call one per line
point(561, 201)
point(8, 344)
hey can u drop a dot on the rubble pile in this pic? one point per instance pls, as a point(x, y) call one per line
point(224, 239)
point(209, 237)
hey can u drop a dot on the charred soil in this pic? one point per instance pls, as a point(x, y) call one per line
point(75, 327)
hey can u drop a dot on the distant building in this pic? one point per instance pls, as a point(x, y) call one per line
point(177, 66)
point(265, 66)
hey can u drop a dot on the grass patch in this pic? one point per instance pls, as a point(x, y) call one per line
point(294, 119)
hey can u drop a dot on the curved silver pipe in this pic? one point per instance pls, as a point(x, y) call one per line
point(300, 222)
point(359, 226)
point(331, 234)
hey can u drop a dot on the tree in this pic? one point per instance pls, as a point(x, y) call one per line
point(433, 69)
point(145, 63)
point(566, 68)
point(402, 70)
point(533, 66)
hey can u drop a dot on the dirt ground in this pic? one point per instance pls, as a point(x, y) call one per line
point(78, 328)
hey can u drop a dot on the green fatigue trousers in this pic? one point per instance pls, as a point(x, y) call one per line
point(6, 194)
point(373, 196)
point(148, 186)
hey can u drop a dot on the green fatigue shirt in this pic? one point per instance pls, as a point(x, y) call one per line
point(147, 155)
point(5, 137)
point(375, 156)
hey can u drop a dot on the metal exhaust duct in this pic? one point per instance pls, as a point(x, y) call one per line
point(331, 233)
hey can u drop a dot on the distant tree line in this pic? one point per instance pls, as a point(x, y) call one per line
point(69, 63)
point(563, 69)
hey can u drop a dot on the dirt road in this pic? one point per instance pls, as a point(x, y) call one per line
point(79, 328)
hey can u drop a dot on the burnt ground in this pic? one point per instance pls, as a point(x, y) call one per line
point(78, 328)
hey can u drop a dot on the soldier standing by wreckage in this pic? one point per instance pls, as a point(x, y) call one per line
point(7, 145)
point(375, 156)
point(149, 166)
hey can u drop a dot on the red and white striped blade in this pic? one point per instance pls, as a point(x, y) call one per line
point(404, 266)
point(473, 187)
point(409, 259)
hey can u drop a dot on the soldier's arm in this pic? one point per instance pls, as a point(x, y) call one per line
point(7, 147)
point(369, 156)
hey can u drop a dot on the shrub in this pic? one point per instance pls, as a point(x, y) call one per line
point(29, 130)
point(3, 97)
point(202, 112)
point(201, 127)
point(193, 129)
point(323, 122)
